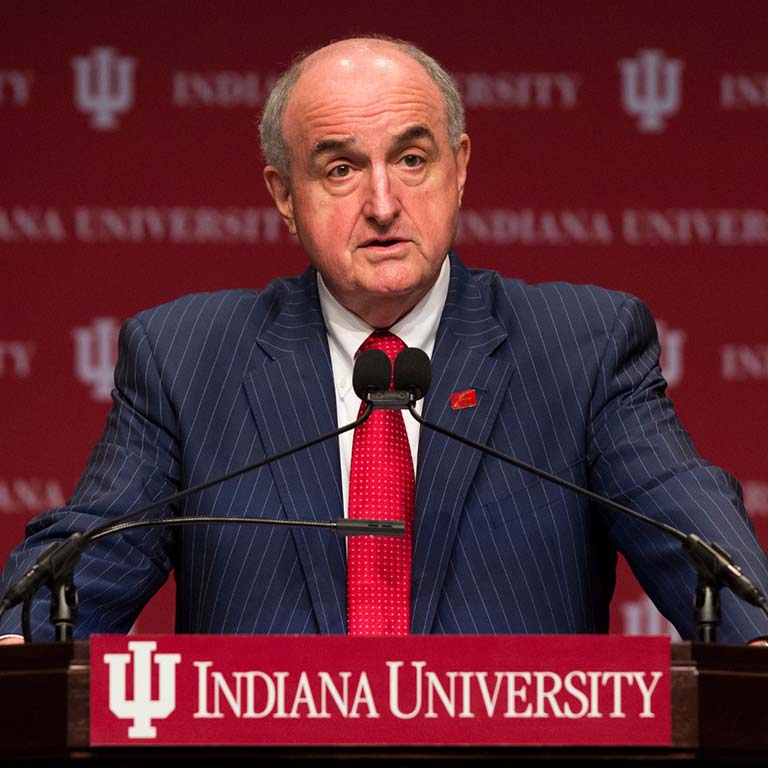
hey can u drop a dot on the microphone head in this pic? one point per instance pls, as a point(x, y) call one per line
point(413, 372)
point(372, 371)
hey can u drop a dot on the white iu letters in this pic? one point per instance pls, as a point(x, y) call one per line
point(96, 355)
point(650, 88)
point(142, 709)
point(103, 86)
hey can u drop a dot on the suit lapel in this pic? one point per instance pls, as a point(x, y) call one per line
point(461, 360)
point(292, 399)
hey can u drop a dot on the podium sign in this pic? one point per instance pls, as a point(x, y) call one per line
point(418, 690)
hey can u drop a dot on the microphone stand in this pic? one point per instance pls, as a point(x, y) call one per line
point(64, 602)
point(714, 566)
point(55, 566)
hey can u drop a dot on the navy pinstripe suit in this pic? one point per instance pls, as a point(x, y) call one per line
point(567, 379)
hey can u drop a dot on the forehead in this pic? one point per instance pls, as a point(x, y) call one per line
point(351, 90)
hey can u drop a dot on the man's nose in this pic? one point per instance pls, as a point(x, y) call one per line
point(382, 202)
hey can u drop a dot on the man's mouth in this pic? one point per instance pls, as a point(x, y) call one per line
point(381, 243)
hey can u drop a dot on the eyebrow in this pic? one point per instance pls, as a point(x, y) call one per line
point(331, 145)
point(416, 132)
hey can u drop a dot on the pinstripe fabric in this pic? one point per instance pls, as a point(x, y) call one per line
point(567, 378)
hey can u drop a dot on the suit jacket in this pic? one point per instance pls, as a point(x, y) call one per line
point(567, 379)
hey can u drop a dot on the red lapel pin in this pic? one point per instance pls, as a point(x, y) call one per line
point(465, 399)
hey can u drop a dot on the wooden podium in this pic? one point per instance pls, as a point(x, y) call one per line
point(719, 717)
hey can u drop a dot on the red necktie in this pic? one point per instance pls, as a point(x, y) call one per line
point(380, 486)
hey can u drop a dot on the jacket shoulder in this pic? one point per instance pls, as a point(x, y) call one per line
point(505, 291)
point(198, 334)
point(515, 301)
point(218, 312)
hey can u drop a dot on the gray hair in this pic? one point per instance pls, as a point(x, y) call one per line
point(273, 143)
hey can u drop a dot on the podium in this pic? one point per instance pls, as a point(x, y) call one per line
point(719, 698)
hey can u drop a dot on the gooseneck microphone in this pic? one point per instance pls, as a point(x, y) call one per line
point(410, 380)
point(371, 373)
point(715, 567)
point(413, 372)
point(55, 566)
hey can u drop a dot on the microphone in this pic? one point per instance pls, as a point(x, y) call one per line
point(413, 372)
point(55, 565)
point(373, 373)
point(714, 565)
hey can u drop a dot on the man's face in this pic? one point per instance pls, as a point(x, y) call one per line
point(375, 186)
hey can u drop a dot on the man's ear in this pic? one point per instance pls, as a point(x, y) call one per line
point(462, 160)
point(280, 189)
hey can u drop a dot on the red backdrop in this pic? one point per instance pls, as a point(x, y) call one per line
point(621, 144)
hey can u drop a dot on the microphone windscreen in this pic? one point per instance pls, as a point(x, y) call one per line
point(372, 371)
point(413, 371)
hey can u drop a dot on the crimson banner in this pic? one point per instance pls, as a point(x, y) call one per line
point(621, 144)
point(197, 689)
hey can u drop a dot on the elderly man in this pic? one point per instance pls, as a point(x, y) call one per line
point(367, 161)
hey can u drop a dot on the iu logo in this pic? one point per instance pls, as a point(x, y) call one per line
point(672, 341)
point(640, 617)
point(142, 708)
point(103, 86)
point(650, 88)
point(96, 355)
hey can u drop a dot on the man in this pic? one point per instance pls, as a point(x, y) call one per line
point(367, 161)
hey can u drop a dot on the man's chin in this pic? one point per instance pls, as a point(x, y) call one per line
point(394, 288)
point(384, 304)
point(396, 275)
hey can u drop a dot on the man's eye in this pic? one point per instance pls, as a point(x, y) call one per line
point(340, 171)
point(413, 161)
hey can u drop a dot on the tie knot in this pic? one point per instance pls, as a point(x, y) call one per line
point(387, 342)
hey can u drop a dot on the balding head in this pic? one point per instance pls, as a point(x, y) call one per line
point(367, 174)
point(273, 140)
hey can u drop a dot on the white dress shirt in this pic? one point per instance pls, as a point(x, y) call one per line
point(346, 332)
